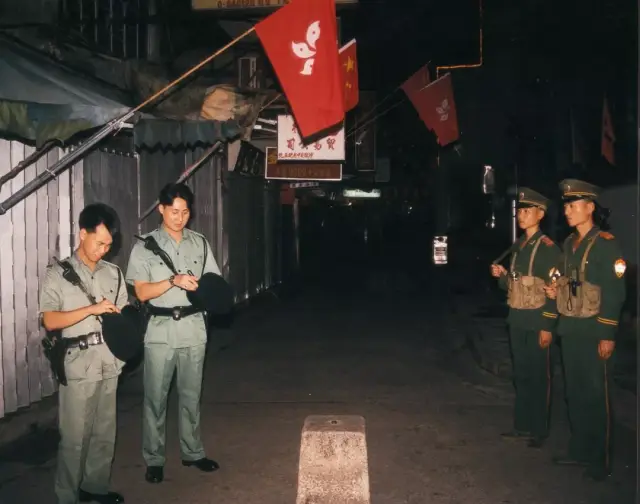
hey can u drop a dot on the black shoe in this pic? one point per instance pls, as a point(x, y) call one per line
point(597, 474)
point(204, 464)
point(108, 498)
point(154, 474)
point(536, 442)
point(568, 461)
point(516, 435)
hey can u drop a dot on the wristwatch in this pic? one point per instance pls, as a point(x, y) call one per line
point(171, 279)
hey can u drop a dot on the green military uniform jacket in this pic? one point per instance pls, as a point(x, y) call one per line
point(57, 295)
point(544, 263)
point(605, 268)
point(187, 256)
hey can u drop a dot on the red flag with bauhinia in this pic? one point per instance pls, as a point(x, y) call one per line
point(608, 136)
point(416, 83)
point(349, 65)
point(301, 41)
point(436, 107)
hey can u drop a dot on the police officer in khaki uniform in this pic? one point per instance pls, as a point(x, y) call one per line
point(532, 319)
point(87, 404)
point(176, 334)
point(590, 294)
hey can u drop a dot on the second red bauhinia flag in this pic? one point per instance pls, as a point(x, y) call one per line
point(435, 104)
point(301, 41)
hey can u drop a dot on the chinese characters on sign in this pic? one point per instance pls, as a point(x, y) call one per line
point(290, 146)
point(275, 169)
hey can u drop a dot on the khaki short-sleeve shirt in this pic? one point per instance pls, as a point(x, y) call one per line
point(58, 295)
point(192, 255)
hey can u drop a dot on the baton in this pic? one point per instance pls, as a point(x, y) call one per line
point(503, 255)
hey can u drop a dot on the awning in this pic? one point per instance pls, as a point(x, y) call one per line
point(42, 100)
point(152, 133)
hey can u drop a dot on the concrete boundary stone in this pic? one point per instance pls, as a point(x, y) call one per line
point(333, 467)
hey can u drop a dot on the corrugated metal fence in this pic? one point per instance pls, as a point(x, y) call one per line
point(239, 215)
point(31, 234)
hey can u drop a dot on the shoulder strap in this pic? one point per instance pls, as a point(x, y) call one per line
point(583, 264)
point(533, 254)
point(204, 262)
point(151, 244)
point(115, 301)
point(71, 276)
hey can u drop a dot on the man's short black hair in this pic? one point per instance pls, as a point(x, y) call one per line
point(98, 213)
point(172, 191)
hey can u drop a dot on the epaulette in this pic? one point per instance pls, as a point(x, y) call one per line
point(110, 264)
point(547, 241)
point(606, 235)
point(199, 235)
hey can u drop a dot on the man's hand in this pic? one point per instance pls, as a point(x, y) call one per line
point(104, 306)
point(605, 348)
point(186, 282)
point(497, 270)
point(551, 290)
point(545, 338)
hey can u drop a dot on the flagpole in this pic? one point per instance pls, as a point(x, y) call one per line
point(195, 68)
point(114, 125)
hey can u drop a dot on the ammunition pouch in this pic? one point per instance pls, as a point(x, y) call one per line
point(526, 293)
point(579, 299)
point(575, 296)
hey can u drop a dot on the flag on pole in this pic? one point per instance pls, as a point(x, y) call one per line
point(349, 65)
point(301, 41)
point(608, 136)
point(435, 105)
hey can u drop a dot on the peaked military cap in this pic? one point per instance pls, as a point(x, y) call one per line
point(573, 189)
point(530, 198)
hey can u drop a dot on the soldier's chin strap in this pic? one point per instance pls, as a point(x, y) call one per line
point(151, 244)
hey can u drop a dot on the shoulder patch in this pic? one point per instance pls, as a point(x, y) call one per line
point(606, 235)
point(619, 267)
point(547, 241)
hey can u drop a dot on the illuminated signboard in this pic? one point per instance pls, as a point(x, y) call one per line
point(359, 193)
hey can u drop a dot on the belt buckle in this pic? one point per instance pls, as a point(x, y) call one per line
point(82, 343)
point(176, 313)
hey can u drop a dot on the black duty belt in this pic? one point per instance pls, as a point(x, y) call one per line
point(177, 312)
point(85, 341)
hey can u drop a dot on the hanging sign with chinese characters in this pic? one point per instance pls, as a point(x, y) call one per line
point(290, 146)
point(275, 169)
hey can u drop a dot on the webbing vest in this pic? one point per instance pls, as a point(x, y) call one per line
point(576, 297)
point(525, 292)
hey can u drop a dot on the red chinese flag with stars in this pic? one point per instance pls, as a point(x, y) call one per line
point(301, 41)
point(349, 65)
point(435, 105)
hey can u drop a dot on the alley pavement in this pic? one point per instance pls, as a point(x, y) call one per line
point(392, 350)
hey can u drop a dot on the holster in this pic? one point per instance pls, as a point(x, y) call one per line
point(55, 349)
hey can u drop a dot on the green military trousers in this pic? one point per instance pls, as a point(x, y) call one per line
point(87, 422)
point(532, 380)
point(160, 363)
point(587, 383)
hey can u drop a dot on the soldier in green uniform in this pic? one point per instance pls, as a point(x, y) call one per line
point(590, 294)
point(532, 319)
point(87, 404)
point(176, 335)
